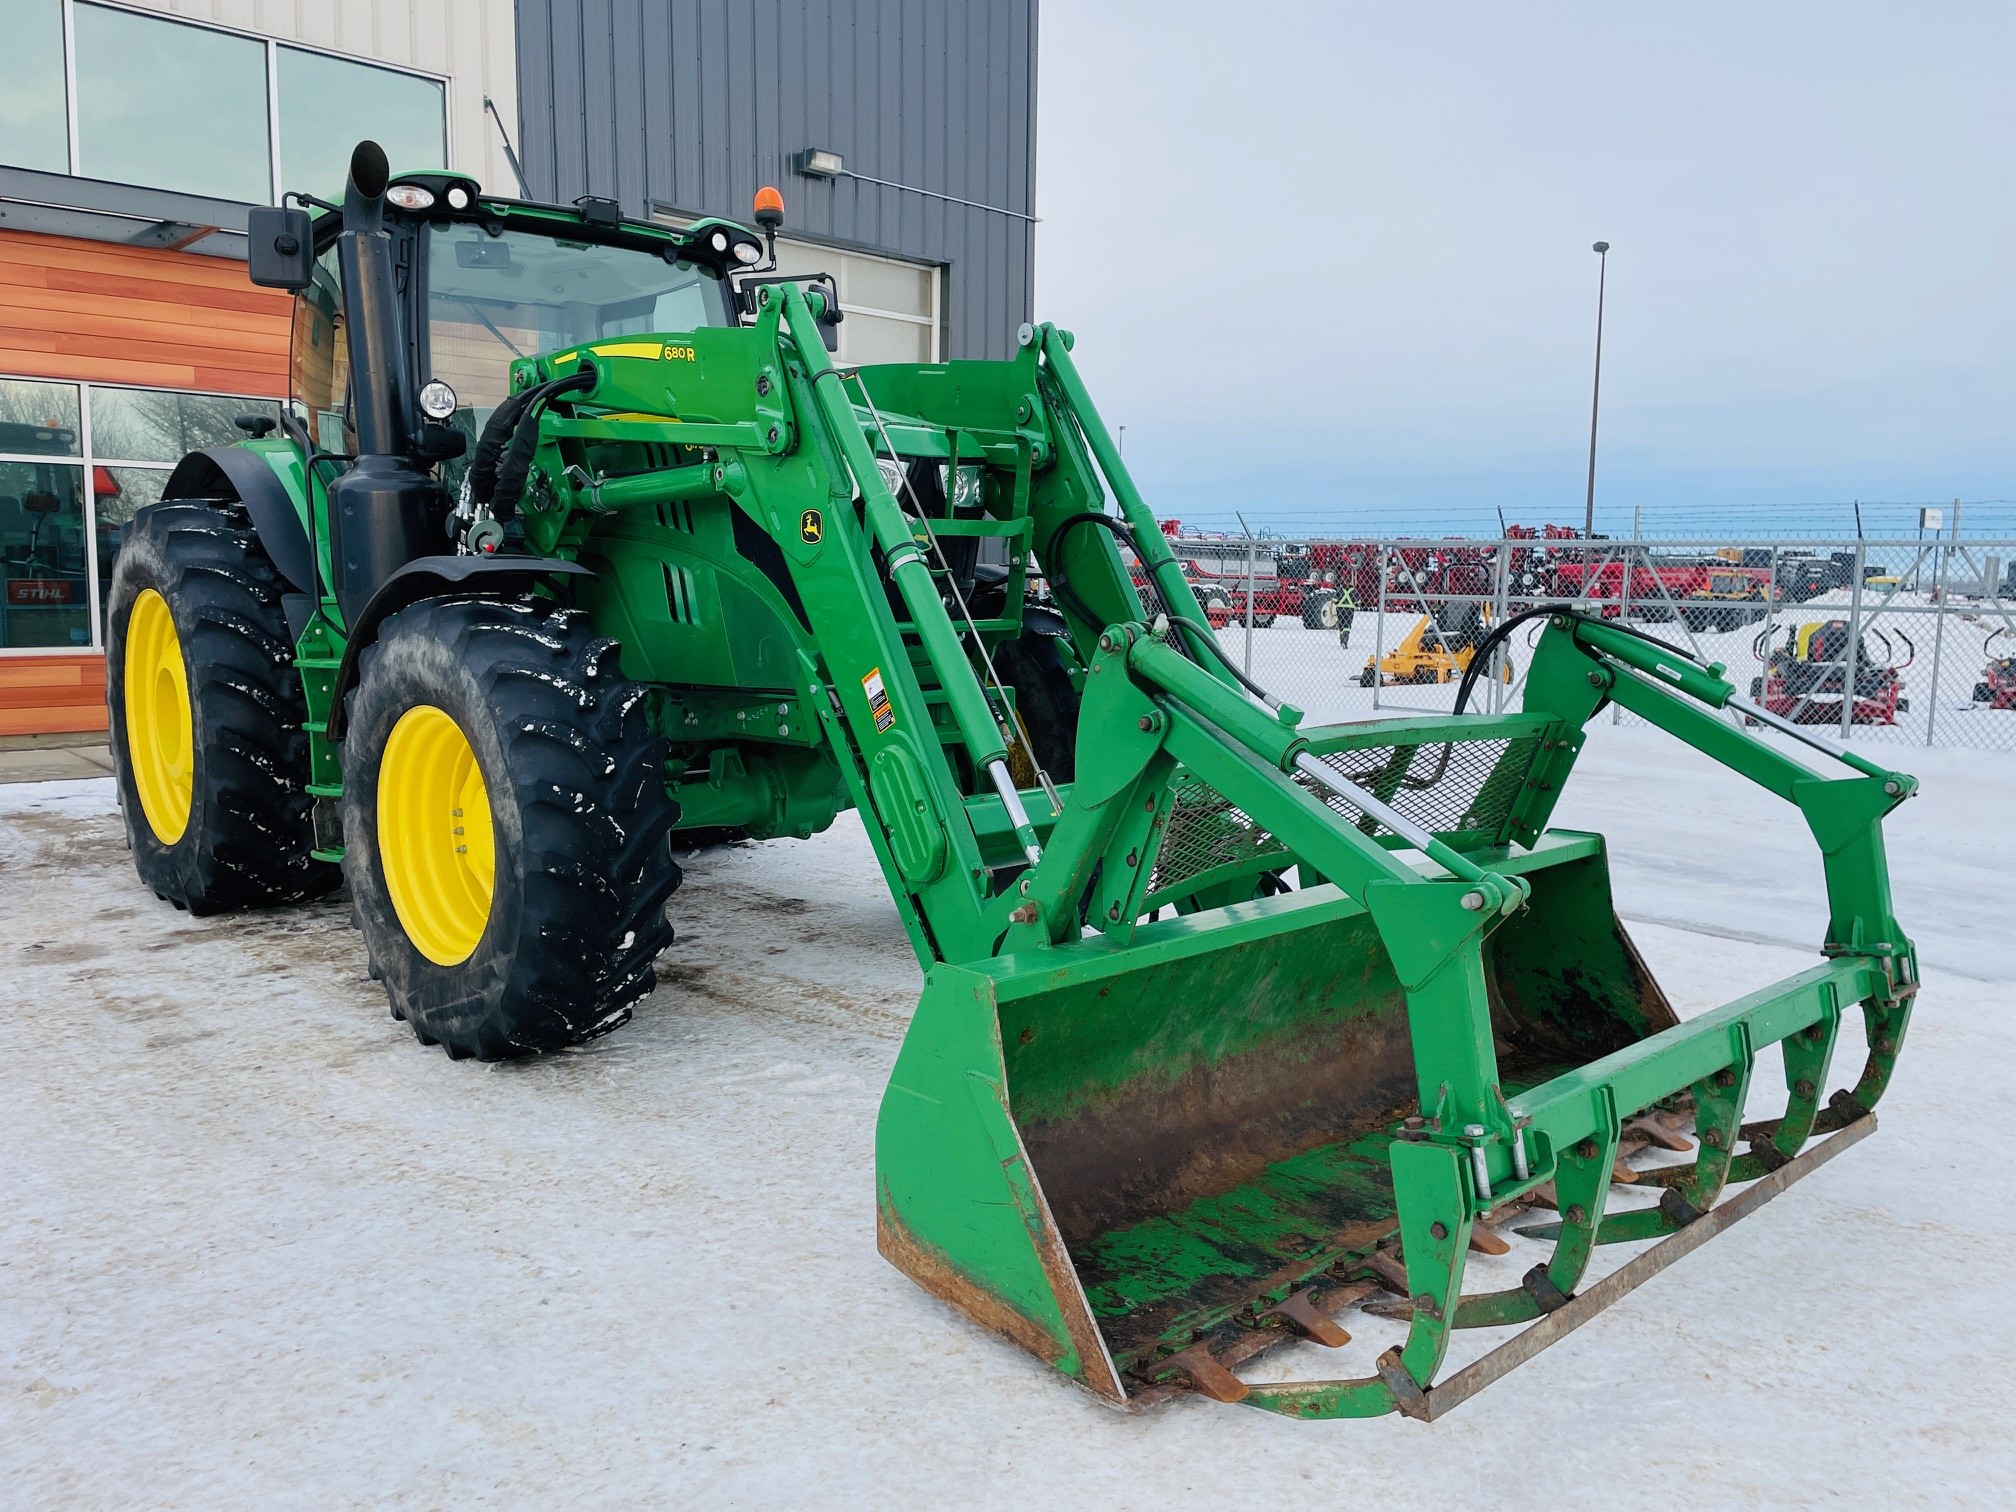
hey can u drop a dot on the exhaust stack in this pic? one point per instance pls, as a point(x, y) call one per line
point(388, 509)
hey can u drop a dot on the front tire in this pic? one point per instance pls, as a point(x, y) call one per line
point(1046, 701)
point(206, 715)
point(505, 824)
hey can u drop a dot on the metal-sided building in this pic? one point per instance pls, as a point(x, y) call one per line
point(901, 132)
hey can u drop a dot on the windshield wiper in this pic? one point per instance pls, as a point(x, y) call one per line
point(488, 324)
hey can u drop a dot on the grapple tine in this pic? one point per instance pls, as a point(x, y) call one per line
point(1206, 1375)
point(1484, 1242)
point(1299, 1311)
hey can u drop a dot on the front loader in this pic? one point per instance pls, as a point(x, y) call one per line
point(578, 548)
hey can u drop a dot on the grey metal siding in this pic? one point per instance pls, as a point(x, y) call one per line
point(691, 105)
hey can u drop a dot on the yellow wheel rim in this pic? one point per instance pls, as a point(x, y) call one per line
point(435, 840)
point(160, 745)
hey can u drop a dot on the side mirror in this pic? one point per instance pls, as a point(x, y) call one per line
point(280, 248)
point(830, 314)
point(41, 503)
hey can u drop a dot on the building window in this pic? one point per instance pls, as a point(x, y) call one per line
point(46, 599)
point(170, 104)
point(328, 105)
point(164, 425)
point(76, 462)
point(34, 108)
point(139, 120)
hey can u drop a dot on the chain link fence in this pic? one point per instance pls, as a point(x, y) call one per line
point(1899, 641)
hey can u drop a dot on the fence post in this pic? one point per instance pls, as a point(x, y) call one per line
point(1939, 597)
point(1770, 621)
point(1624, 597)
point(1502, 657)
point(1379, 629)
point(1249, 604)
point(1848, 667)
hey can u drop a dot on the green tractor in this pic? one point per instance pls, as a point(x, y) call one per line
point(575, 549)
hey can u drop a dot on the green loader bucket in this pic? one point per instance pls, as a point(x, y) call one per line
point(1114, 1155)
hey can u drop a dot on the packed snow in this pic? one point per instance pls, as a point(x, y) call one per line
point(258, 1247)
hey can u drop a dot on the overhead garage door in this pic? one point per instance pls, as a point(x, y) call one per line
point(892, 307)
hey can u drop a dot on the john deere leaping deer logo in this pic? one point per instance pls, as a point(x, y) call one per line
point(811, 528)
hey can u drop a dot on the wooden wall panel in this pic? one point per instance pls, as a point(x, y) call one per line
point(105, 313)
point(115, 314)
point(51, 695)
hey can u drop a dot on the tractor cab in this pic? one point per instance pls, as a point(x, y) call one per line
point(482, 282)
point(432, 290)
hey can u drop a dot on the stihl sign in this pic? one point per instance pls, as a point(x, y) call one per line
point(23, 592)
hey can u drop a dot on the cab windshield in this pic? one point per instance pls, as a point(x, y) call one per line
point(491, 299)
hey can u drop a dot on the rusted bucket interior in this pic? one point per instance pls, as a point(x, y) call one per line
point(1210, 1126)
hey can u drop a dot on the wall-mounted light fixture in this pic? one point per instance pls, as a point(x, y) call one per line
point(824, 163)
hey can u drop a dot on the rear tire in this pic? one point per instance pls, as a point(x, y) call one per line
point(206, 715)
point(1319, 610)
point(508, 728)
point(1032, 665)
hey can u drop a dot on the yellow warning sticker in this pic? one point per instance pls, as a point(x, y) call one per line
point(878, 702)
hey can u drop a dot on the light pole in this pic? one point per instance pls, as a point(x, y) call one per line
point(1602, 251)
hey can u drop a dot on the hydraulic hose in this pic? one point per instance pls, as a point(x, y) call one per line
point(1498, 633)
point(1197, 638)
point(490, 445)
point(516, 465)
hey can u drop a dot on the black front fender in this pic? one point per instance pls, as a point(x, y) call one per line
point(233, 472)
point(438, 577)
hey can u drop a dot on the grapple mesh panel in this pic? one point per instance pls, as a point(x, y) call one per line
point(1446, 787)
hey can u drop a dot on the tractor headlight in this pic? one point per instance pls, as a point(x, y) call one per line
point(747, 252)
point(458, 198)
point(892, 475)
point(410, 197)
point(965, 488)
point(437, 400)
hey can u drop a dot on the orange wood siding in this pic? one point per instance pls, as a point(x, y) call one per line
point(50, 695)
point(104, 313)
point(111, 314)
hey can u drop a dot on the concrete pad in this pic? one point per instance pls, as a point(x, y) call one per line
point(54, 763)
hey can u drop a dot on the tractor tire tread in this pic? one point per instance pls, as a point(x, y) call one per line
point(589, 808)
point(1033, 667)
point(251, 831)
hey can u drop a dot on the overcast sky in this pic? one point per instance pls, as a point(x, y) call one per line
point(1338, 255)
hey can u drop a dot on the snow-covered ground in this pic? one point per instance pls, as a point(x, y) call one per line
point(258, 1247)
